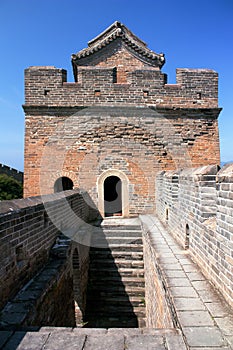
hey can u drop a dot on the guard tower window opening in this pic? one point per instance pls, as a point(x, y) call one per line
point(63, 184)
point(114, 75)
point(97, 92)
point(187, 236)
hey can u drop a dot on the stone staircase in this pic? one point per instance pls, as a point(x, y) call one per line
point(116, 289)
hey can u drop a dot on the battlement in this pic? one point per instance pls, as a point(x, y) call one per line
point(48, 86)
point(16, 174)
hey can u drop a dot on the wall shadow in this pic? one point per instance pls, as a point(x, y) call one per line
point(108, 303)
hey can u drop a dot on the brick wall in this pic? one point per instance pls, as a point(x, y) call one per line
point(47, 86)
point(196, 206)
point(158, 313)
point(28, 231)
point(137, 141)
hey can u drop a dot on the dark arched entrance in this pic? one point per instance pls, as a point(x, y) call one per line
point(62, 184)
point(112, 196)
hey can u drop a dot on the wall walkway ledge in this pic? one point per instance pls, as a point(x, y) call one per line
point(197, 309)
point(47, 299)
point(28, 230)
point(197, 209)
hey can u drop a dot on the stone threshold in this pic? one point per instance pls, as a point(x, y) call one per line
point(203, 316)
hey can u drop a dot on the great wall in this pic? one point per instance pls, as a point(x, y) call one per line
point(124, 237)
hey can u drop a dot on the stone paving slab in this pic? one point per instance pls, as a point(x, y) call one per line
point(140, 342)
point(188, 292)
point(106, 342)
point(51, 338)
point(195, 318)
point(195, 276)
point(204, 336)
point(205, 319)
point(217, 309)
point(178, 282)
point(69, 342)
point(188, 304)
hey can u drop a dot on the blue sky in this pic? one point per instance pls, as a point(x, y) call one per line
point(192, 34)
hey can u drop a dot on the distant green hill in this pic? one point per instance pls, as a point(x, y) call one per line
point(10, 188)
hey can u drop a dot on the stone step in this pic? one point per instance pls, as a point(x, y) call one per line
point(121, 233)
point(108, 271)
point(112, 241)
point(108, 280)
point(128, 255)
point(132, 247)
point(118, 311)
point(120, 263)
point(113, 322)
point(121, 227)
point(116, 290)
point(116, 300)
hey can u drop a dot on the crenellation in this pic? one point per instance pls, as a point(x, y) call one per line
point(206, 208)
point(49, 86)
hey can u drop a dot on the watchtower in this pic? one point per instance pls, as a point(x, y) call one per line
point(119, 123)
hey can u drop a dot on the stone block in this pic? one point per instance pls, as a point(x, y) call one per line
point(204, 337)
point(183, 292)
point(110, 342)
point(140, 342)
point(188, 304)
point(195, 318)
point(63, 340)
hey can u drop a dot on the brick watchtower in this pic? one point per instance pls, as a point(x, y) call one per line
point(118, 124)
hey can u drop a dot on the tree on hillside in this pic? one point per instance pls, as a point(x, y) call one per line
point(10, 188)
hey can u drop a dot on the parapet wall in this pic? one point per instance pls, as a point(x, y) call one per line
point(196, 205)
point(28, 230)
point(158, 309)
point(16, 174)
point(47, 86)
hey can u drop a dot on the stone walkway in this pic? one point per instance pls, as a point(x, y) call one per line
point(204, 318)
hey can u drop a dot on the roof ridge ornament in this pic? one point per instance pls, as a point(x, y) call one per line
point(113, 32)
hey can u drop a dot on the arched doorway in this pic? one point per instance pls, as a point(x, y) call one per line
point(112, 196)
point(63, 184)
point(113, 193)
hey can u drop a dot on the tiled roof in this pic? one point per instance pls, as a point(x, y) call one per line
point(119, 30)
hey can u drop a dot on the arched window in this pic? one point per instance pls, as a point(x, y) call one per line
point(62, 184)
